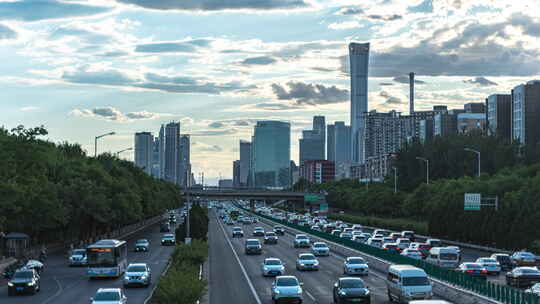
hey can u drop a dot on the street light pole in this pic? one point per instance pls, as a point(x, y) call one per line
point(427, 167)
point(122, 151)
point(188, 228)
point(98, 137)
point(395, 179)
point(478, 154)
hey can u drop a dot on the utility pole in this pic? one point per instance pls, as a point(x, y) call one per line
point(477, 154)
point(395, 179)
point(188, 232)
point(427, 167)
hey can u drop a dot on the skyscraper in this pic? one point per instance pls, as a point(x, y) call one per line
point(498, 115)
point(245, 163)
point(185, 160)
point(172, 152)
point(311, 146)
point(319, 127)
point(271, 154)
point(144, 143)
point(162, 152)
point(236, 173)
point(526, 113)
point(331, 143)
point(359, 61)
point(342, 143)
point(155, 158)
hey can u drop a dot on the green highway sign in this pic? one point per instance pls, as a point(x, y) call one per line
point(313, 198)
point(472, 201)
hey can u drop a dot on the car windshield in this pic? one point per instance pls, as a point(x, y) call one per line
point(168, 236)
point(352, 283)
point(252, 243)
point(413, 251)
point(79, 252)
point(301, 237)
point(270, 234)
point(273, 262)
point(356, 261)
point(436, 244)
point(286, 282)
point(307, 257)
point(142, 242)
point(526, 255)
point(529, 271)
point(136, 268)
point(488, 261)
point(320, 245)
point(23, 275)
point(473, 266)
point(237, 229)
point(107, 296)
point(101, 257)
point(503, 258)
point(448, 256)
point(415, 281)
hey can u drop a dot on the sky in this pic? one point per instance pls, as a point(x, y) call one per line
point(84, 68)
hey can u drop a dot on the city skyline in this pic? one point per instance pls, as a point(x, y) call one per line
point(90, 67)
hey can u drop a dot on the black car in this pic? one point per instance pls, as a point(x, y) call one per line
point(474, 270)
point(11, 269)
point(24, 281)
point(523, 277)
point(165, 227)
point(270, 238)
point(253, 246)
point(258, 231)
point(279, 230)
point(351, 290)
point(504, 260)
point(237, 232)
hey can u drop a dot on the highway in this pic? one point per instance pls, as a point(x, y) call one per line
point(236, 275)
point(61, 284)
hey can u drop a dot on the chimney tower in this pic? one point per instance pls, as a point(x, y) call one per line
point(411, 93)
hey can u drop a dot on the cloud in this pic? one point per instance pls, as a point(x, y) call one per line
point(202, 147)
point(344, 25)
point(277, 106)
point(37, 10)
point(187, 46)
point(310, 94)
point(350, 11)
point(7, 33)
point(83, 34)
point(262, 60)
point(386, 84)
point(168, 79)
point(391, 17)
point(481, 81)
point(405, 79)
point(28, 108)
point(214, 132)
point(113, 114)
point(321, 69)
point(390, 99)
point(218, 5)
point(103, 77)
point(216, 125)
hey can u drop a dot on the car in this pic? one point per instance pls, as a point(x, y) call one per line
point(535, 289)
point(473, 269)
point(375, 242)
point(164, 227)
point(77, 257)
point(168, 239)
point(287, 289)
point(408, 235)
point(270, 238)
point(137, 274)
point(391, 247)
point(355, 266)
point(109, 296)
point(405, 283)
point(395, 235)
point(316, 228)
point(351, 290)
point(36, 265)
point(320, 249)
point(388, 240)
point(523, 277)
point(412, 253)
point(346, 235)
point(258, 231)
point(252, 246)
point(237, 232)
point(307, 261)
point(403, 243)
point(490, 264)
point(434, 243)
point(357, 227)
point(172, 219)
point(359, 238)
point(523, 258)
point(382, 232)
point(24, 280)
point(348, 230)
point(279, 230)
point(422, 247)
point(335, 232)
point(272, 267)
point(504, 260)
point(301, 241)
point(142, 245)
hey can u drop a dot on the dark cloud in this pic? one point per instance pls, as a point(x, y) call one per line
point(386, 84)
point(205, 88)
point(36, 10)
point(188, 46)
point(106, 77)
point(310, 94)
point(319, 69)
point(217, 5)
point(142, 115)
point(241, 123)
point(262, 60)
point(276, 106)
point(7, 33)
point(113, 114)
point(405, 79)
point(350, 11)
point(214, 132)
point(385, 17)
point(216, 125)
point(107, 112)
point(389, 99)
point(481, 81)
point(527, 24)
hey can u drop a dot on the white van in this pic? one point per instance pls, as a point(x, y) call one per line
point(443, 257)
point(406, 283)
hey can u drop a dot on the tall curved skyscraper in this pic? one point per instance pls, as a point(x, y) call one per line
point(359, 61)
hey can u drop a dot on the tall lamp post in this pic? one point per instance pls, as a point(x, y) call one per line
point(188, 228)
point(395, 179)
point(98, 137)
point(478, 154)
point(122, 151)
point(427, 167)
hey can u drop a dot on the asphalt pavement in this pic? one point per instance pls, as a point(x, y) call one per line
point(61, 284)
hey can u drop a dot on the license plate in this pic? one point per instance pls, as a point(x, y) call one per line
point(355, 300)
point(19, 288)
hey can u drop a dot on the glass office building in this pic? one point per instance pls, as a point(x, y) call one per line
point(271, 154)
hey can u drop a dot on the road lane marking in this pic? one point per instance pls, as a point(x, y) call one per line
point(251, 287)
point(311, 296)
point(60, 290)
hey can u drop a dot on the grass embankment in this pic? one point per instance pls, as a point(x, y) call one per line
point(383, 223)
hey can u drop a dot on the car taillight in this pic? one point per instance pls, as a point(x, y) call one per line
point(469, 271)
point(484, 271)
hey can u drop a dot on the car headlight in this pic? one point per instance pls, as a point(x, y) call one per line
point(126, 277)
point(31, 283)
point(316, 263)
point(276, 291)
point(144, 277)
point(10, 284)
point(367, 292)
point(342, 293)
point(408, 293)
point(302, 264)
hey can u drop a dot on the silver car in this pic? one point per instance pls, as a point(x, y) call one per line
point(307, 261)
point(272, 267)
point(355, 266)
point(78, 257)
point(301, 240)
point(490, 264)
point(137, 274)
point(320, 249)
point(109, 296)
point(287, 289)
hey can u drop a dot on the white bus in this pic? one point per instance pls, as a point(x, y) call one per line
point(106, 258)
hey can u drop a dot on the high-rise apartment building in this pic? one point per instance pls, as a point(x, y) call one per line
point(162, 152)
point(331, 143)
point(172, 152)
point(319, 127)
point(526, 113)
point(475, 107)
point(386, 132)
point(359, 61)
point(318, 171)
point(245, 163)
point(342, 143)
point(498, 115)
point(271, 154)
point(236, 174)
point(311, 146)
point(155, 158)
point(144, 147)
point(470, 122)
point(185, 161)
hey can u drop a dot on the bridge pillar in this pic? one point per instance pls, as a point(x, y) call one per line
point(252, 204)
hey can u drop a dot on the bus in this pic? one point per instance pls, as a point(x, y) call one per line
point(106, 258)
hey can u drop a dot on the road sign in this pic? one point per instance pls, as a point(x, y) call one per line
point(473, 201)
point(323, 208)
point(314, 198)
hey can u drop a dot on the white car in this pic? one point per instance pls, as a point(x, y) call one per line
point(78, 257)
point(490, 264)
point(359, 238)
point(109, 296)
point(403, 243)
point(355, 265)
point(320, 249)
point(535, 289)
point(412, 253)
point(375, 242)
point(307, 261)
point(272, 267)
point(287, 288)
point(301, 240)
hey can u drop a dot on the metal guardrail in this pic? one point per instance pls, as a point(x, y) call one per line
point(503, 294)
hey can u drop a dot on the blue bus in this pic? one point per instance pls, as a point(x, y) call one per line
point(106, 258)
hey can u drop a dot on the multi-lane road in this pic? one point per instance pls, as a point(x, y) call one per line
point(61, 284)
point(234, 275)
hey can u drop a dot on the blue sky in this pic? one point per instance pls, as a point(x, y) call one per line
point(83, 68)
